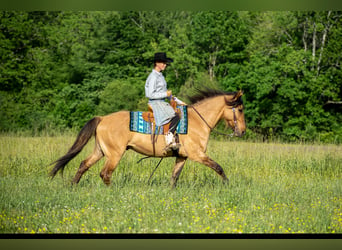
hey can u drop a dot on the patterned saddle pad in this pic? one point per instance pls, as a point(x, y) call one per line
point(138, 124)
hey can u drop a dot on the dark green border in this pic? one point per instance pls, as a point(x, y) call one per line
point(171, 4)
point(171, 244)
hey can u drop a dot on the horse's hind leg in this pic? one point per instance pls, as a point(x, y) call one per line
point(110, 165)
point(107, 171)
point(87, 163)
point(177, 169)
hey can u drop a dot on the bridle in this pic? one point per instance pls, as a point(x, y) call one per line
point(214, 130)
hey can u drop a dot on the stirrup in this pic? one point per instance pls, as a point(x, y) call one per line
point(172, 146)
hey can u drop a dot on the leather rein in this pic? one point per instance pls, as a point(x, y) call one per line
point(214, 130)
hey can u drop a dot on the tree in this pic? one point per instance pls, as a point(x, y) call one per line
point(219, 40)
point(286, 82)
point(119, 95)
point(58, 69)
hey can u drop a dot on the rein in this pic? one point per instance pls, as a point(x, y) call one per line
point(214, 130)
point(211, 128)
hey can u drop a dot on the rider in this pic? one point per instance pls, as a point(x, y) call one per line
point(156, 90)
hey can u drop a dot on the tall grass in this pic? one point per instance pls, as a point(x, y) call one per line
point(274, 188)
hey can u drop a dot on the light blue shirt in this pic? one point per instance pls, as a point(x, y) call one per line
point(156, 92)
point(155, 86)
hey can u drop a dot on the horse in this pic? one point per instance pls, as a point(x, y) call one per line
point(113, 136)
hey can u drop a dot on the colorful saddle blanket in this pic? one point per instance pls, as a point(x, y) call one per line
point(138, 124)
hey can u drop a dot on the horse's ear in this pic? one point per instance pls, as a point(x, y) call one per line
point(238, 94)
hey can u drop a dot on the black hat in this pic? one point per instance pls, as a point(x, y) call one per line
point(161, 57)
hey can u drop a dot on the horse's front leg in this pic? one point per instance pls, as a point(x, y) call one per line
point(177, 169)
point(204, 159)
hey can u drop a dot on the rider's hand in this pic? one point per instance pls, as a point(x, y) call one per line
point(169, 93)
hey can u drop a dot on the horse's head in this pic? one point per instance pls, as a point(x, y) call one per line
point(233, 113)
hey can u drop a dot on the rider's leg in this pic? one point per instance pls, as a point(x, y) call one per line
point(170, 135)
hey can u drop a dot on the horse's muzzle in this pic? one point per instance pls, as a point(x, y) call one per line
point(239, 133)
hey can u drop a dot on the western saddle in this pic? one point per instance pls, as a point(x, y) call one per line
point(149, 117)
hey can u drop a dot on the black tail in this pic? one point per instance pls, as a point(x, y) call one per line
point(82, 139)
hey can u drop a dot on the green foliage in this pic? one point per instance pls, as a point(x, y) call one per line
point(201, 81)
point(288, 88)
point(75, 105)
point(120, 95)
point(58, 69)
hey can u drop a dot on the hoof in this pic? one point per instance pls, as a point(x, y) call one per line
point(226, 181)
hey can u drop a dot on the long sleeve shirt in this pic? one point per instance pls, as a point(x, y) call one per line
point(155, 86)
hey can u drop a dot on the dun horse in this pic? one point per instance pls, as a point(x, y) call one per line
point(113, 136)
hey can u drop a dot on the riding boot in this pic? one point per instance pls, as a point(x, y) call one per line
point(171, 143)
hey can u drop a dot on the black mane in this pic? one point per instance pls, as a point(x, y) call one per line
point(208, 93)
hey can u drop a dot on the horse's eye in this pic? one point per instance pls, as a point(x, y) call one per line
point(240, 110)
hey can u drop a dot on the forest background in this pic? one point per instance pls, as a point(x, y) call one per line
point(59, 69)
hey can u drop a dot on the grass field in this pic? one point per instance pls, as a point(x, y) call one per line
point(274, 188)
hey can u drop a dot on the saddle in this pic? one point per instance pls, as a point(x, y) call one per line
point(149, 117)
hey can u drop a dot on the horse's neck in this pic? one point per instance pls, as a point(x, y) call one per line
point(211, 110)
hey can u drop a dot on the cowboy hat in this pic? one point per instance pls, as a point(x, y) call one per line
point(161, 57)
